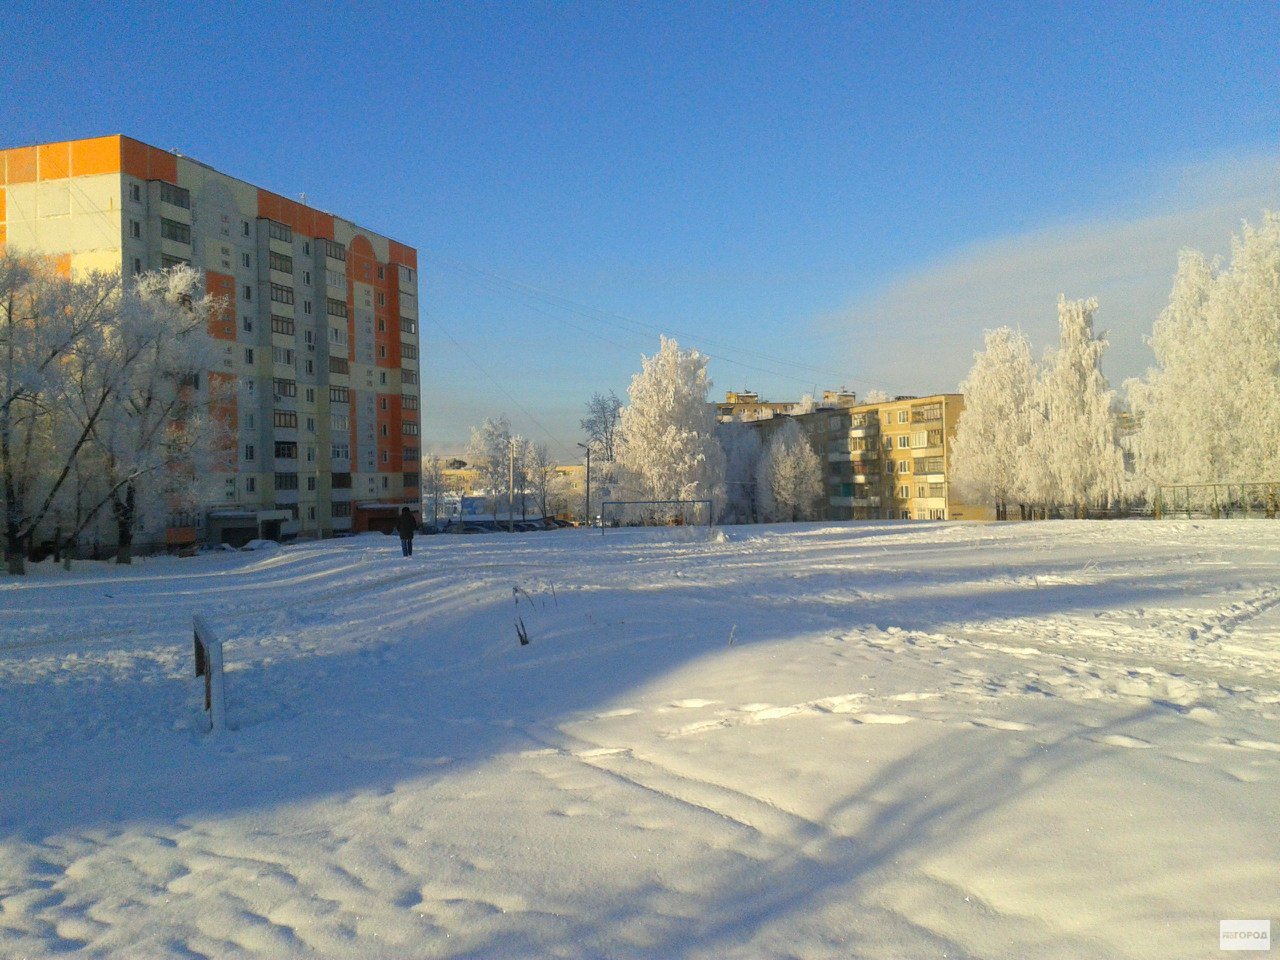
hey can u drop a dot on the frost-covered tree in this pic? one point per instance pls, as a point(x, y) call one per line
point(742, 450)
point(489, 455)
point(876, 396)
point(1209, 410)
point(667, 444)
point(99, 404)
point(993, 437)
point(434, 488)
point(604, 410)
point(789, 476)
point(1075, 451)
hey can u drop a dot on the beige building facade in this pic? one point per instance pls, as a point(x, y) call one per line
point(318, 345)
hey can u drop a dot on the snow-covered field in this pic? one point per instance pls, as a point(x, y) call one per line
point(861, 740)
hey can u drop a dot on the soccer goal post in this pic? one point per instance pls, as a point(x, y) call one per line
point(656, 513)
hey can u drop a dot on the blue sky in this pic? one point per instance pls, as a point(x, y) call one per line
point(816, 194)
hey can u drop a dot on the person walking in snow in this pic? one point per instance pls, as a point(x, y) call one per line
point(406, 526)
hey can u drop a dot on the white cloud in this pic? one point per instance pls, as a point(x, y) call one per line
point(919, 333)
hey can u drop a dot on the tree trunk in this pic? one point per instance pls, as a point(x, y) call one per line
point(124, 513)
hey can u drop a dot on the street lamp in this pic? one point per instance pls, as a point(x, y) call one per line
point(587, 447)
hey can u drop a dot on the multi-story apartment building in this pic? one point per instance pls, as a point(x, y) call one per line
point(888, 461)
point(318, 344)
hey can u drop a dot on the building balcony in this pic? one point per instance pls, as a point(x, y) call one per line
point(866, 430)
point(855, 501)
point(846, 456)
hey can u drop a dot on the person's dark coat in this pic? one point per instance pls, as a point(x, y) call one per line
point(406, 525)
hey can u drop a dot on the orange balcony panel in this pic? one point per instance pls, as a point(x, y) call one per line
point(298, 217)
point(55, 161)
point(21, 165)
point(92, 157)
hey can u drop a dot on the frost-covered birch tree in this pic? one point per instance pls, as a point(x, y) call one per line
point(489, 452)
point(993, 437)
point(1075, 451)
point(667, 444)
point(604, 410)
point(1209, 410)
point(789, 476)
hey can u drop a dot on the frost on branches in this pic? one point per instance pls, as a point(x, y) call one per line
point(789, 477)
point(102, 410)
point(1076, 460)
point(667, 443)
point(1044, 438)
point(994, 431)
point(1209, 410)
point(742, 451)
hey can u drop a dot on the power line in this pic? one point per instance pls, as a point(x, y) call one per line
point(493, 282)
point(501, 389)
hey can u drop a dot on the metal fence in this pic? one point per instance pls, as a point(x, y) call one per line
point(1219, 500)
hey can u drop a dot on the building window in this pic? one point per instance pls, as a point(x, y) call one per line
point(342, 508)
point(408, 402)
point(335, 250)
point(406, 274)
point(382, 429)
point(306, 277)
point(408, 351)
point(287, 449)
point(250, 484)
point(178, 196)
point(311, 485)
point(903, 416)
point(177, 232)
point(382, 378)
point(341, 451)
point(168, 262)
point(386, 457)
point(135, 193)
point(311, 394)
point(904, 466)
point(283, 325)
point(279, 231)
point(135, 229)
point(310, 366)
point(382, 352)
point(904, 493)
point(340, 481)
point(306, 247)
point(410, 454)
point(409, 428)
point(306, 307)
point(137, 265)
point(411, 479)
point(287, 419)
point(904, 441)
point(311, 424)
point(286, 481)
point(248, 354)
point(245, 225)
point(247, 323)
point(336, 308)
point(281, 294)
point(382, 298)
point(248, 421)
point(244, 258)
point(408, 376)
point(247, 292)
point(338, 336)
point(339, 395)
point(382, 325)
point(386, 484)
point(249, 451)
point(408, 326)
point(284, 388)
point(335, 279)
point(279, 261)
point(339, 365)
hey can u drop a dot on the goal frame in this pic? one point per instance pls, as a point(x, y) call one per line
point(681, 504)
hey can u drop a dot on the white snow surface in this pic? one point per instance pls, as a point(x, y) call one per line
point(846, 740)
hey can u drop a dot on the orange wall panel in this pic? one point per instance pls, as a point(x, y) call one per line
point(406, 255)
point(222, 326)
point(21, 165)
point(91, 157)
point(146, 162)
point(298, 217)
point(3, 217)
point(55, 161)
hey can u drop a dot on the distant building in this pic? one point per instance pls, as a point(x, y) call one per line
point(749, 406)
point(319, 342)
point(888, 461)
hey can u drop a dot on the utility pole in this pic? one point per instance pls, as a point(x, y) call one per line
point(587, 447)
